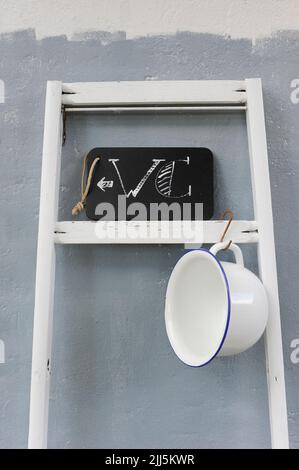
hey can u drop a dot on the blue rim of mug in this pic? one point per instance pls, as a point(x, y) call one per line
point(228, 308)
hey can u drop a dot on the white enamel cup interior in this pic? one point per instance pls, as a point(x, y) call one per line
point(197, 309)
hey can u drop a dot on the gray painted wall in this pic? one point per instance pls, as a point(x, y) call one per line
point(116, 381)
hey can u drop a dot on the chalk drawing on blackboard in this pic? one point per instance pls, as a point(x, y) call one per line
point(134, 192)
point(164, 180)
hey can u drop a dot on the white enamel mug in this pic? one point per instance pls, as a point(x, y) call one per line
point(213, 308)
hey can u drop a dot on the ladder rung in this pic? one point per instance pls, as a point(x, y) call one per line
point(147, 92)
point(154, 232)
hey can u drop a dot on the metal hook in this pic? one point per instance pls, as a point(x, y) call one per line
point(231, 216)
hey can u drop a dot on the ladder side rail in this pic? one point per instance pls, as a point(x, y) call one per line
point(267, 261)
point(45, 269)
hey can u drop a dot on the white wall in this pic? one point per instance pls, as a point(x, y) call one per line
point(235, 18)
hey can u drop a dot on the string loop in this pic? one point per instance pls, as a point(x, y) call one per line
point(85, 189)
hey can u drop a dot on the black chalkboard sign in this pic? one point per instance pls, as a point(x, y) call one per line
point(150, 176)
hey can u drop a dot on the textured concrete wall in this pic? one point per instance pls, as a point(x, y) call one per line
point(116, 381)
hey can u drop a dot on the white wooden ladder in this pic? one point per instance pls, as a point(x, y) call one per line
point(149, 96)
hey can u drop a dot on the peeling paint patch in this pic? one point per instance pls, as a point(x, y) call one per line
point(151, 77)
point(2, 352)
point(104, 37)
point(2, 91)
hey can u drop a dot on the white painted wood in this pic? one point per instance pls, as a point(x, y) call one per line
point(45, 270)
point(267, 261)
point(210, 231)
point(154, 92)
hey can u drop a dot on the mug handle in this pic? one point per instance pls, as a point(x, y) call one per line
point(234, 248)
